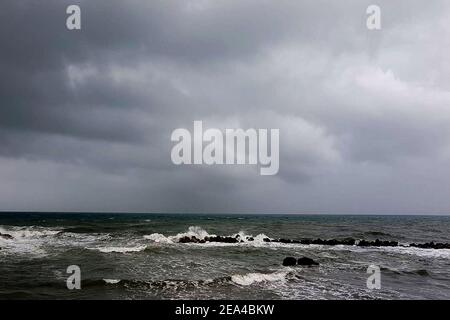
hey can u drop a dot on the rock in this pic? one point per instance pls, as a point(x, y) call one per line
point(377, 243)
point(289, 261)
point(187, 239)
point(6, 236)
point(266, 240)
point(307, 262)
point(348, 241)
point(422, 272)
point(431, 245)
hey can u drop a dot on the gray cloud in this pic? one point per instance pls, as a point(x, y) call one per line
point(86, 116)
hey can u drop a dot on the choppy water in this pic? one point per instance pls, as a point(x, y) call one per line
point(129, 256)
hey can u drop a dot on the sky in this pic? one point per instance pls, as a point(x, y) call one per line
point(86, 115)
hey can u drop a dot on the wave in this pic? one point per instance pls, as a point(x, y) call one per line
point(111, 281)
point(201, 234)
point(176, 284)
point(119, 249)
point(251, 278)
point(29, 232)
point(260, 240)
point(425, 253)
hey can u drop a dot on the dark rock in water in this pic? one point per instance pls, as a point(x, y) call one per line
point(431, 245)
point(331, 242)
point(363, 243)
point(187, 239)
point(223, 239)
point(348, 241)
point(422, 272)
point(307, 262)
point(377, 243)
point(6, 236)
point(289, 261)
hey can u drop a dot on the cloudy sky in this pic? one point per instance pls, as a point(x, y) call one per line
point(364, 116)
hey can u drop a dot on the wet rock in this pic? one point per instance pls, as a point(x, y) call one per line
point(223, 239)
point(289, 261)
point(348, 241)
point(305, 261)
point(187, 239)
point(6, 236)
point(377, 243)
point(431, 245)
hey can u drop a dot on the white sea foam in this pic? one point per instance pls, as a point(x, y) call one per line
point(251, 278)
point(258, 241)
point(112, 281)
point(158, 238)
point(26, 240)
point(427, 253)
point(200, 233)
point(29, 232)
point(119, 249)
point(193, 231)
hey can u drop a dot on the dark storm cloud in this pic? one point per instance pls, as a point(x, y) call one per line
point(86, 116)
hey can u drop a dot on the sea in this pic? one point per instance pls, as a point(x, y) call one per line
point(138, 256)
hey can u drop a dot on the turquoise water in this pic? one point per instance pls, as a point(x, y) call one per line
point(137, 256)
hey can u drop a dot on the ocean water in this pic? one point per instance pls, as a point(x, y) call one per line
point(137, 256)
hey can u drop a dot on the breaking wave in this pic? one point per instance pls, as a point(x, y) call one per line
point(258, 241)
point(201, 234)
point(251, 278)
point(111, 281)
point(29, 232)
point(236, 279)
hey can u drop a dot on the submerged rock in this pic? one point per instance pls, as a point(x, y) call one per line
point(305, 261)
point(289, 261)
